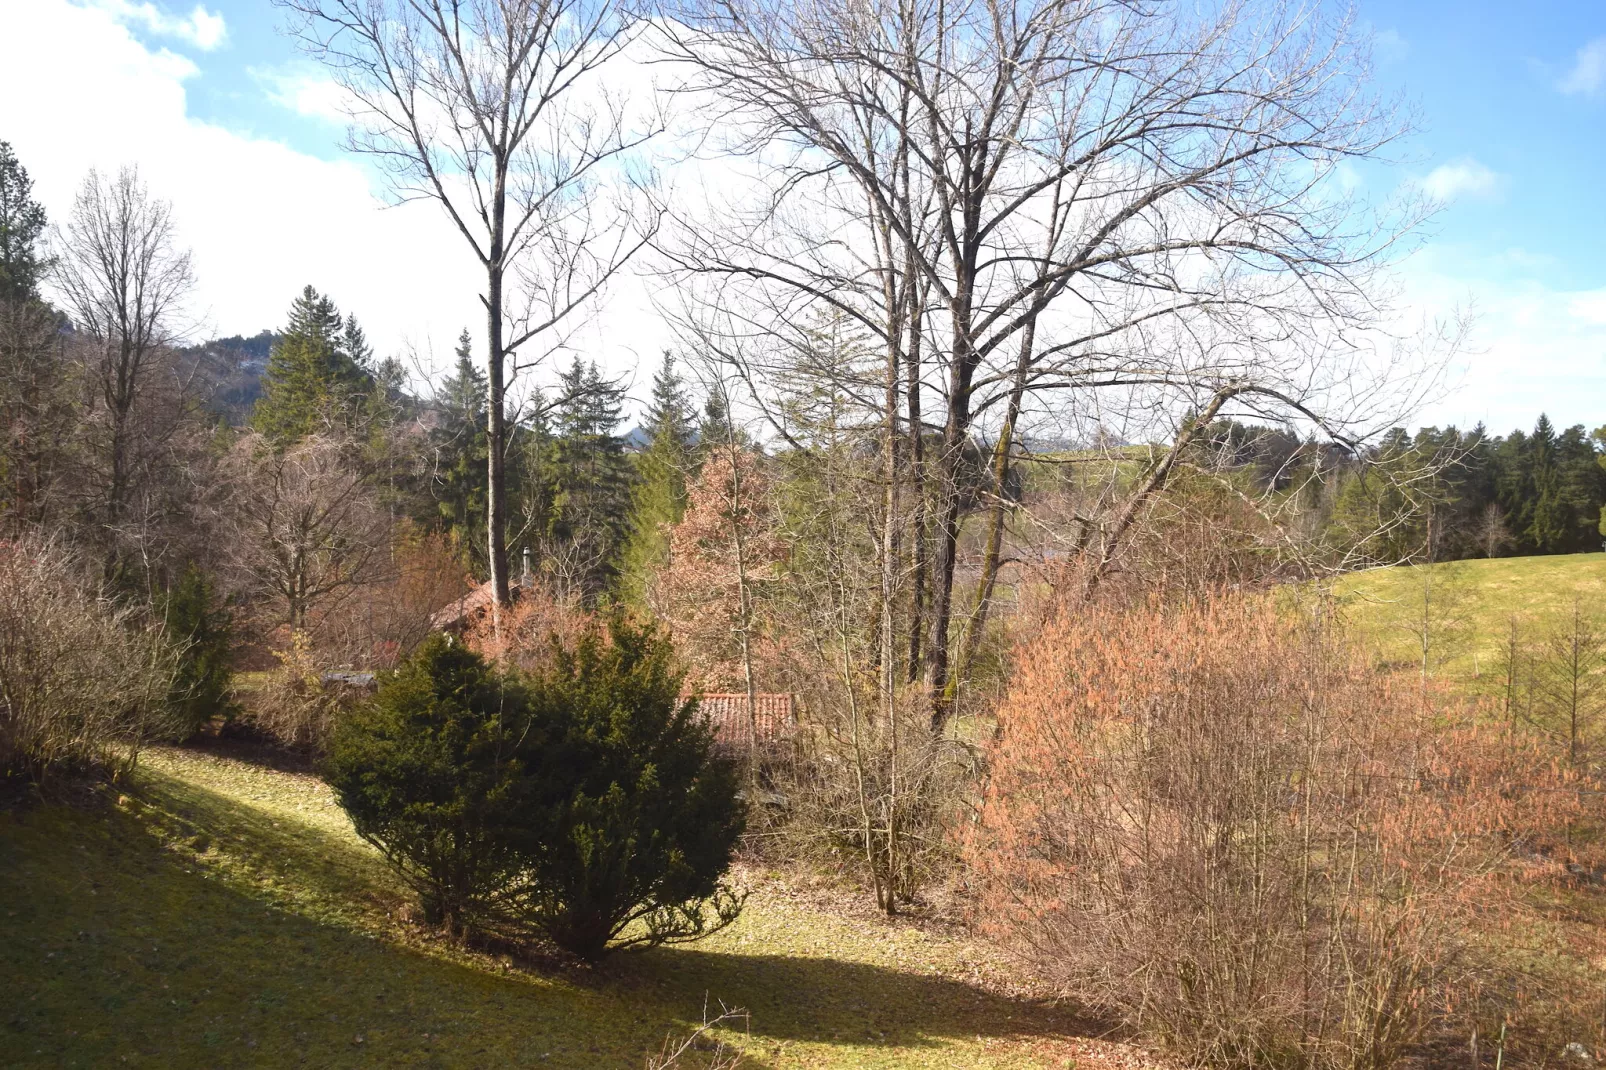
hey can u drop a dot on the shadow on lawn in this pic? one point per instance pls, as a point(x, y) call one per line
point(337, 872)
point(826, 1000)
point(117, 951)
point(138, 953)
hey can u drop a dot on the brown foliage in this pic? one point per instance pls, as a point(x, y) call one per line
point(381, 621)
point(723, 555)
point(82, 683)
point(1213, 821)
point(524, 634)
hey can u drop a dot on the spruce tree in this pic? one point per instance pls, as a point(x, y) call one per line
point(590, 473)
point(658, 499)
point(1548, 523)
point(459, 441)
point(22, 224)
point(312, 377)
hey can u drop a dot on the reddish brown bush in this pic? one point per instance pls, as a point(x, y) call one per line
point(523, 635)
point(1214, 822)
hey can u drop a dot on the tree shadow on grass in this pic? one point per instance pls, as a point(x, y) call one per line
point(117, 951)
point(326, 871)
point(225, 966)
point(837, 1001)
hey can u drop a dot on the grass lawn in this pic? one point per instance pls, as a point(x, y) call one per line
point(1477, 598)
point(219, 913)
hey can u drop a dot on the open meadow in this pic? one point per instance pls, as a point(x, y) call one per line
point(1467, 606)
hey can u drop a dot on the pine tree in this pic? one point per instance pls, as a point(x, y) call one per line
point(715, 428)
point(658, 499)
point(312, 377)
point(1547, 527)
point(459, 441)
point(22, 224)
point(590, 473)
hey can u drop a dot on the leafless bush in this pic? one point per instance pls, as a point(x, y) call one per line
point(82, 684)
point(881, 799)
point(700, 1048)
point(1217, 823)
point(294, 709)
point(378, 622)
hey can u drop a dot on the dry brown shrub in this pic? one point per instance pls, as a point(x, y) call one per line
point(1213, 821)
point(83, 683)
point(522, 633)
point(293, 708)
point(379, 622)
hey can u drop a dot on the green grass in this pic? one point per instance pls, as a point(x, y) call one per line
point(220, 914)
point(1474, 602)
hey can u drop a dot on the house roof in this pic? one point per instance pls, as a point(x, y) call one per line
point(776, 718)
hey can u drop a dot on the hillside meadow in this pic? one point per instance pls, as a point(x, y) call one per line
point(219, 912)
point(1469, 606)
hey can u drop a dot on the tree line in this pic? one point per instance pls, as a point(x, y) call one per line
point(1435, 495)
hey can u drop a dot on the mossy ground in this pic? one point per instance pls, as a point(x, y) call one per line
point(213, 912)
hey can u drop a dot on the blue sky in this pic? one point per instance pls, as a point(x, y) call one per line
point(243, 136)
point(1490, 82)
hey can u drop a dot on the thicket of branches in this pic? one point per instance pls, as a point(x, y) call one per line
point(1218, 822)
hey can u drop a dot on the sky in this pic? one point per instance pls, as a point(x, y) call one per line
point(224, 119)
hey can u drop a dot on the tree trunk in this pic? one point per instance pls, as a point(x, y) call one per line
point(496, 420)
point(992, 556)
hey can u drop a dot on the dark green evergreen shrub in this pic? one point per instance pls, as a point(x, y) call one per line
point(430, 773)
point(583, 802)
point(632, 818)
point(202, 635)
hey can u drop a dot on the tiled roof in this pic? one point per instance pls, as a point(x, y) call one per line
point(732, 728)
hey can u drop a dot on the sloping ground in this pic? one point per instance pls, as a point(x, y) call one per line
point(1471, 603)
point(1555, 939)
point(219, 913)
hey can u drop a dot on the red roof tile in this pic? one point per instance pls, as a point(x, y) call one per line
point(732, 727)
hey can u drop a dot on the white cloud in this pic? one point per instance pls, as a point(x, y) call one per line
point(262, 219)
point(1460, 178)
point(1588, 75)
point(304, 90)
point(201, 28)
point(1535, 347)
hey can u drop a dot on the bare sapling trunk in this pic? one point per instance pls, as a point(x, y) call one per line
point(497, 112)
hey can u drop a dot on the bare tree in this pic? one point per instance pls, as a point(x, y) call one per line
point(496, 110)
point(1113, 209)
point(302, 523)
point(1492, 532)
point(125, 280)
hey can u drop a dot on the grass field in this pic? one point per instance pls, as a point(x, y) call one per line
point(219, 913)
point(1472, 603)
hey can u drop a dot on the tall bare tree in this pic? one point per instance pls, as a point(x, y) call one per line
point(125, 281)
point(496, 110)
point(1111, 207)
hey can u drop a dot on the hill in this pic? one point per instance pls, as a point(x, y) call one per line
point(1468, 605)
point(221, 913)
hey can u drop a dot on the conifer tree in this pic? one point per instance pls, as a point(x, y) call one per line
point(22, 224)
point(658, 499)
point(313, 377)
point(590, 473)
point(459, 442)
